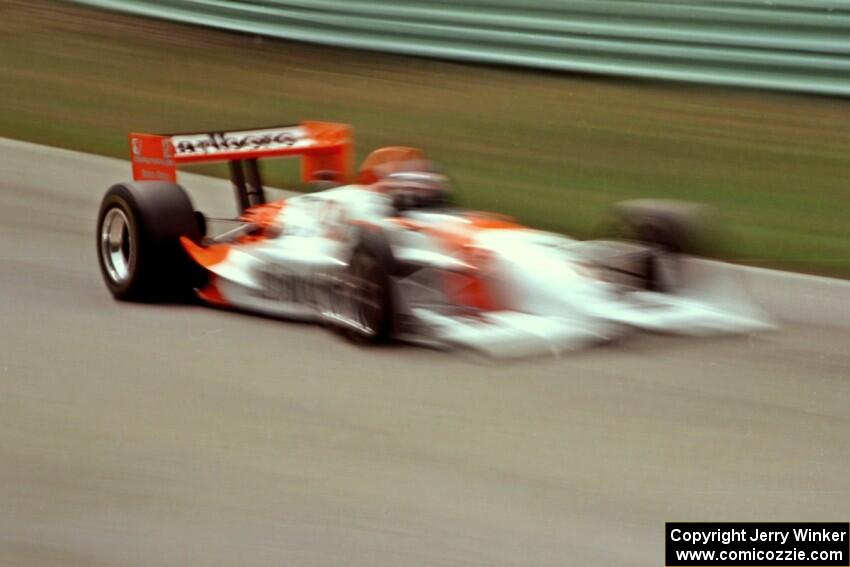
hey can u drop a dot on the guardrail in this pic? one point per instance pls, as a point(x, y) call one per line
point(800, 45)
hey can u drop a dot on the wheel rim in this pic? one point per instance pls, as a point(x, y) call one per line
point(367, 305)
point(116, 245)
point(360, 299)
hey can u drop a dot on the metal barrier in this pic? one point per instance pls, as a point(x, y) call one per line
point(800, 45)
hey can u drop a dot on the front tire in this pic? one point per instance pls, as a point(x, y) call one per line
point(138, 242)
point(671, 229)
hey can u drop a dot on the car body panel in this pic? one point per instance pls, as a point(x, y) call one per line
point(467, 279)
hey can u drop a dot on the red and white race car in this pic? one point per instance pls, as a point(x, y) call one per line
point(383, 254)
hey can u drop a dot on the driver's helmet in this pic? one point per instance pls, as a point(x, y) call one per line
point(414, 184)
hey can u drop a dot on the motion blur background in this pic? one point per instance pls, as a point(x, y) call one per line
point(179, 435)
point(528, 104)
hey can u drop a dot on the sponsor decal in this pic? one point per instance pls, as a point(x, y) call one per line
point(153, 161)
point(285, 286)
point(154, 175)
point(247, 141)
point(146, 152)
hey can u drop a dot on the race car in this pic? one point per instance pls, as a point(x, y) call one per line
point(384, 254)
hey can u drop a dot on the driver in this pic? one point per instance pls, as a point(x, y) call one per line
point(416, 184)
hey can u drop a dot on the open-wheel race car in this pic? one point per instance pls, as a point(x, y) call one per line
point(383, 254)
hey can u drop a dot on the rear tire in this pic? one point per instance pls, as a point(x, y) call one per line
point(138, 242)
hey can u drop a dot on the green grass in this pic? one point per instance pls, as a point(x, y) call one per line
point(552, 149)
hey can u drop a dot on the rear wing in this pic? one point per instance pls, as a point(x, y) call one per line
point(325, 149)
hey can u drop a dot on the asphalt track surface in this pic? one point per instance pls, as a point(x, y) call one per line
point(166, 435)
